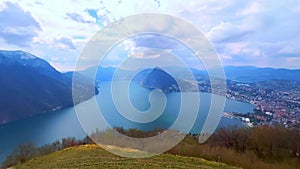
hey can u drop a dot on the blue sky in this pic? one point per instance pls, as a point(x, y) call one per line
point(260, 33)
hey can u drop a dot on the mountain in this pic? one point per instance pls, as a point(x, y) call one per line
point(102, 74)
point(244, 74)
point(156, 78)
point(105, 73)
point(255, 74)
point(30, 85)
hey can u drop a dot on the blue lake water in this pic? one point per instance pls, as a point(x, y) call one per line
point(48, 127)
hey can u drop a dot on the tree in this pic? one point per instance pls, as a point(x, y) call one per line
point(23, 153)
point(69, 142)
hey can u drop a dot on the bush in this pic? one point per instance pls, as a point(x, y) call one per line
point(23, 153)
point(26, 152)
point(251, 148)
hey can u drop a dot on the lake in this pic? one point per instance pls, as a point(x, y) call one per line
point(46, 128)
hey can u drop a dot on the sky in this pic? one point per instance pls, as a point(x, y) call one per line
point(258, 33)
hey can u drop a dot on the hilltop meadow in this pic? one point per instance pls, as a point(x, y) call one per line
point(250, 148)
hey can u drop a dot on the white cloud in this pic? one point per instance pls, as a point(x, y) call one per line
point(144, 53)
point(64, 43)
point(17, 27)
point(293, 60)
point(128, 45)
point(227, 32)
point(243, 32)
point(253, 8)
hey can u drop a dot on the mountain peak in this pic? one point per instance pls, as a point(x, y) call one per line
point(25, 59)
point(17, 54)
point(30, 85)
point(158, 68)
point(157, 78)
point(25, 55)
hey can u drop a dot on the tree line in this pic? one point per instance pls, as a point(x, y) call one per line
point(258, 147)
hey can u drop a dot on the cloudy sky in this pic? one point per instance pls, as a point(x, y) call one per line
point(259, 33)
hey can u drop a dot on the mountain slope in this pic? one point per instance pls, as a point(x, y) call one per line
point(29, 86)
point(255, 74)
point(156, 78)
point(92, 156)
point(234, 73)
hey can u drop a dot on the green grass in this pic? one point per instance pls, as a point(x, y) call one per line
point(92, 156)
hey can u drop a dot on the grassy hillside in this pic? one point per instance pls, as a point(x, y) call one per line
point(92, 156)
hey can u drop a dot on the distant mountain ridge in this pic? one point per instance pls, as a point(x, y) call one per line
point(30, 85)
point(255, 74)
point(247, 74)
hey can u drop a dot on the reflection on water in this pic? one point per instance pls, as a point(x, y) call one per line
point(48, 127)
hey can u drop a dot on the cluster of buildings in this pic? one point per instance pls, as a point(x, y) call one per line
point(277, 102)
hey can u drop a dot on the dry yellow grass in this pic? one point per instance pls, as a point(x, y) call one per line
point(92, 156)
